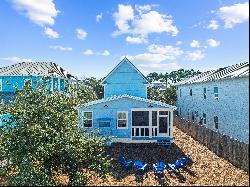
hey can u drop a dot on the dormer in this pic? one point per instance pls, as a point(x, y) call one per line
point(125, 78)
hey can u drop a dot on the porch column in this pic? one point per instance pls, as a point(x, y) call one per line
point(150, 123)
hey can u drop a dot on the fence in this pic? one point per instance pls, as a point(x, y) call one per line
point(234, 151)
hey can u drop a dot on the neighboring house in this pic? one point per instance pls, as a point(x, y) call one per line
point(125, 113)
point(218, 99)
point(159, 84)
point(16, 76)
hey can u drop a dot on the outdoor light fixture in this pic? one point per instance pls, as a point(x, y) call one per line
point(106, 106)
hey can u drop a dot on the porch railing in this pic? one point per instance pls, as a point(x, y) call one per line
point(144, 131)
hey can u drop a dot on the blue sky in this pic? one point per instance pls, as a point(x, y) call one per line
point(88, 38)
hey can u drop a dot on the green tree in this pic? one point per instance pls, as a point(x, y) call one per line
point(96, 85)
point(46, 139)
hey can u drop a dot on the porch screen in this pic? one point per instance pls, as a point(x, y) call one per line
point(140, 118)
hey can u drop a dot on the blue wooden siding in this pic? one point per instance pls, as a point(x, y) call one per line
point(110, 112)
point(125, 79)
point(231, 107)
point(11, 83)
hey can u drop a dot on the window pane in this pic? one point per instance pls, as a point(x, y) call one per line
point(140, 118)
point(154, 118)
point(122, 123)
point(87, 115)
point(122, 115)
point(87, 123)
point(216, 90)
point(163, 125)
point(163, 112)
point(146, 132)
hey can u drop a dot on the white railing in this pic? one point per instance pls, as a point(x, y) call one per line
point(144, 131)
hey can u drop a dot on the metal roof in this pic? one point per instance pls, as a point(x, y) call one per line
point(234, 71)
point(127, 96)
point(36, 68)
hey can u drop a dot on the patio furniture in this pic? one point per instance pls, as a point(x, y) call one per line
point(140, 166)
point(180, 163)
point(124, 163)
point(159, 167)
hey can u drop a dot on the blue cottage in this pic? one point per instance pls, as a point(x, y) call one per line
point(125, 113)
point(15, 77)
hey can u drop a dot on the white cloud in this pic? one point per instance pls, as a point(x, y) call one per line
point(142, 8)
point(157, 54)
point(170, 52)
point(104, 53)
point(98, 17)
point(147, 57)
point(15, 59)
point(195, 43)
point(156, 67)
point(213, 25)
point(136, 40)
point(81, 34)
point(61, 48)
point(50, 33)
point(178, 43)
point(231, 15)
point(88, 52)
point(41, 12)
point(213, 43)
point(145, 22)
point(125, 13)
point(195, 55)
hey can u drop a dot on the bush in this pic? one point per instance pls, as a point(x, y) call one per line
point(46, 138)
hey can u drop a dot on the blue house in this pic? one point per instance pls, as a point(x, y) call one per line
point(218, 99)
point(125, 113)
point(16, 76)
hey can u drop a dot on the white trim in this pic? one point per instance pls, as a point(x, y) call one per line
point(129, 140)
point(122, 119)
point(87, 119)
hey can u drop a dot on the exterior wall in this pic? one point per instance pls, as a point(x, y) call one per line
point(125, 80)
point(11, 83)
point(231, 107)
point(123, 104)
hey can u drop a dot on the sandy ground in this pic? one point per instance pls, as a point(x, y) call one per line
point(207, 168)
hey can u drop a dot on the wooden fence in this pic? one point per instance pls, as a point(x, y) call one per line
point(234, 151)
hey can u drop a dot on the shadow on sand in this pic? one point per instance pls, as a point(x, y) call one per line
point(146, 153)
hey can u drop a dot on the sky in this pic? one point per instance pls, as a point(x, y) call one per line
point(90, 37)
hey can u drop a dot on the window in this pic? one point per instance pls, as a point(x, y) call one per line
point(204, 93)
point(216, 122)
point(180, 92)
point(190, 92)
point(87, 119)
point(180, 111)
point(122, 119)
point(204, 118)
point(216, 92)
point(1, 85)
point(140, 118)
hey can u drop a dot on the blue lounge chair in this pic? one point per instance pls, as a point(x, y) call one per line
point(140, 166)
point(180, 163)
point(159, 167)
point(124, 163)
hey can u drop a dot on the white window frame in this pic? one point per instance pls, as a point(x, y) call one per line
point(1, 85)
point(87, 119)
point(126, 112)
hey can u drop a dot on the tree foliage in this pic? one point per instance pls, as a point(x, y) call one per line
point(46, 139)
point(96, 85)
point(169, 94)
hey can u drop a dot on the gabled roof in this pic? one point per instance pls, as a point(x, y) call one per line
point(229, 72)
point(118, 65)
point(36, 69)
point(127, 96)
